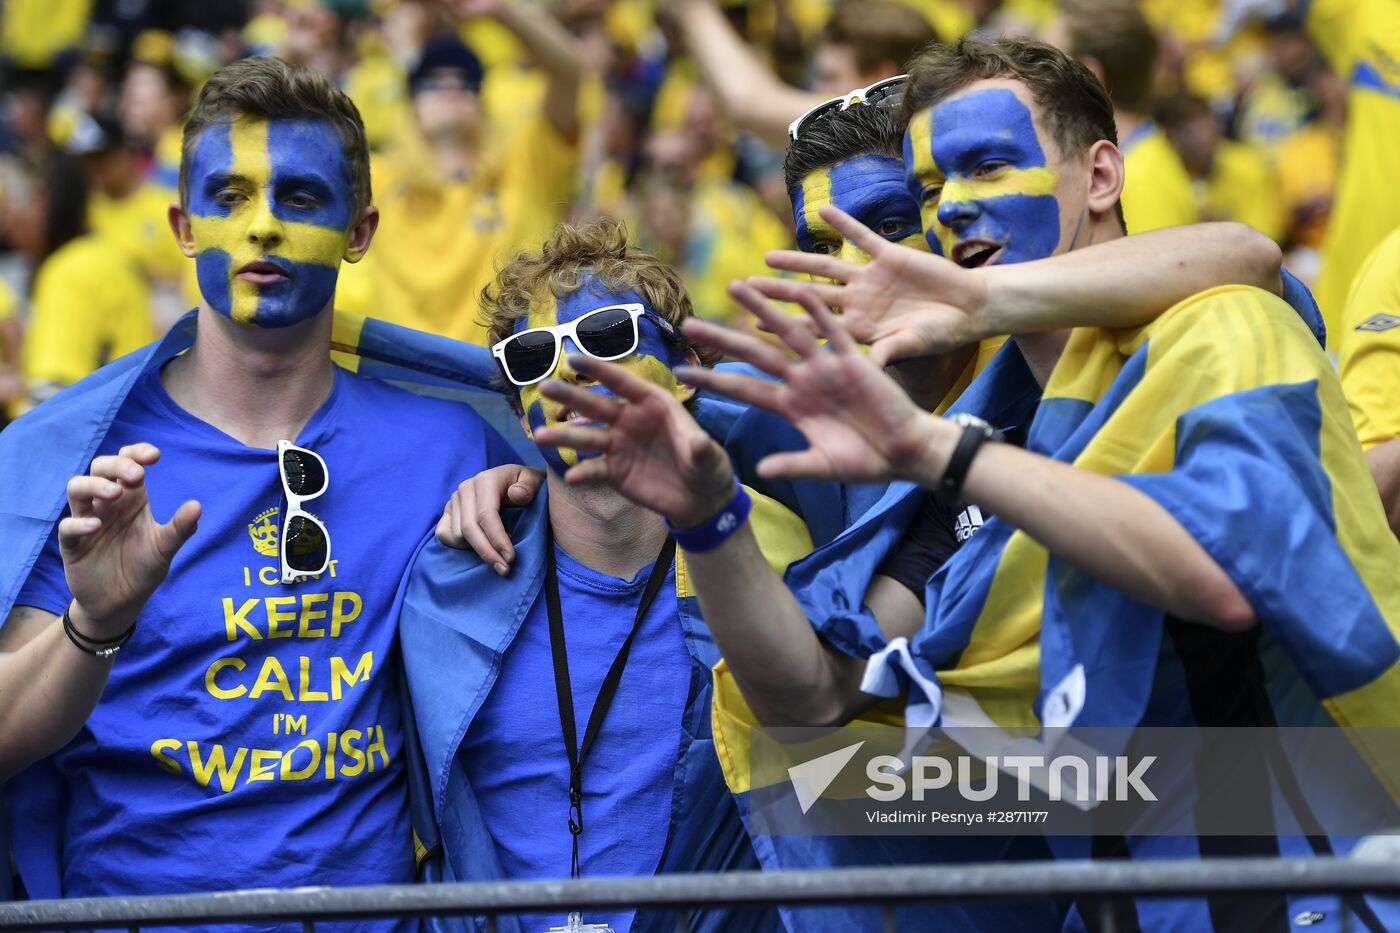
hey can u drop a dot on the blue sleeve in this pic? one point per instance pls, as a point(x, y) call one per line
point(1302, 300)
point(46, 587)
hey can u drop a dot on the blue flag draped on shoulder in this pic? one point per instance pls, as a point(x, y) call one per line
point(1227, 414)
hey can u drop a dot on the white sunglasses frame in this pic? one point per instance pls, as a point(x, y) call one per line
point(847, 101)
point(570, 330)
point(294, 503)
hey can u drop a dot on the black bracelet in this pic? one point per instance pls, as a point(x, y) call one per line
point(975, 432)
point(105, 647)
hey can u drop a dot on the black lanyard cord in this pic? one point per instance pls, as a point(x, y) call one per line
point(563, 688)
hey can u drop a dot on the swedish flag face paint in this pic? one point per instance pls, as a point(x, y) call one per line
point(977, 166)
point(271, 208)
point(653, 360)
point(871, 189)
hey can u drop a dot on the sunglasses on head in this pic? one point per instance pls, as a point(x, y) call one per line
point(885, 93)
point(305, 544)
point(604, 333)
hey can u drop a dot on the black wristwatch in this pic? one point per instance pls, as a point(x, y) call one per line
point(975, 433)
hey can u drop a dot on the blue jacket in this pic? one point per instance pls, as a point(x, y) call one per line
point(458, 619)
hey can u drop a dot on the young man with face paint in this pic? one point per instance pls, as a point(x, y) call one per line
point(584, 675)
point(852, 159)
point(1147, 501)
point(250, 735)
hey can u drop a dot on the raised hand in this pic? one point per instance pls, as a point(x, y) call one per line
point(904, 303)
point(859, 423)
point(115, 554)
point(653, 451)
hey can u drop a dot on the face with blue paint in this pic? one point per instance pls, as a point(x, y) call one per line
point(654, 359)
point(271, 215)
point(991, 182)
point(871, 189)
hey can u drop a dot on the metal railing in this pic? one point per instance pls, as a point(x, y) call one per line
point(1110, 883)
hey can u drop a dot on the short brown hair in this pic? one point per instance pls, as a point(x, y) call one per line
point(272, 89)
point(1072, 102)
point(558, 269)
point(878, 32)
point(1117, 35)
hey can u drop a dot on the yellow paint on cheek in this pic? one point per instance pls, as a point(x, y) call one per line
point(852, 253)
point(916, 241)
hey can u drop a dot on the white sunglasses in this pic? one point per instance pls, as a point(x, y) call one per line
point(607, 333)
point(882, 93)
point(305, 544)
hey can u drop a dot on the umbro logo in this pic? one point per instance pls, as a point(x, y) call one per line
point(1379, 322)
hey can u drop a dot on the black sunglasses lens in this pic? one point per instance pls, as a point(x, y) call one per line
point(529, 356)
point(304, 473)
point(886, 95)
point(306, 547)
point(607, 334)
point(816, 115)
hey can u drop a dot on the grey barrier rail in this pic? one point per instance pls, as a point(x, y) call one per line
point(1109, 882)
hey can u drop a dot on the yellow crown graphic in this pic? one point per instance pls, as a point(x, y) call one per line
point(263, 530)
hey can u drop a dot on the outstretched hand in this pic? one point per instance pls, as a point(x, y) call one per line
point(860, 425)
point(653, 451)
point(114, 552)
point(904, 303)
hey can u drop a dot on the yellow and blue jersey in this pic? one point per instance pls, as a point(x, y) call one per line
point(1361, 39)
point(1369, 345)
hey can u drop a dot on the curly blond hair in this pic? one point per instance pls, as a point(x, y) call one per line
point(559, 268)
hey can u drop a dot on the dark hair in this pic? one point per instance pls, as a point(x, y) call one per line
point(1179, 109)
point(861, 130)
point(272, 89)
point(446, 52)
point(1117, 35)
point(61, 177)
point(878, 32)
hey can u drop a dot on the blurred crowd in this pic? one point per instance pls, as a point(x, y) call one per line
point(492, 120)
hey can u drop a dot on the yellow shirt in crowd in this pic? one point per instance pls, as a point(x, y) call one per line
point(1369, 345)
point(439, 242)
point(1157, 191)
point(33, 32)
point(138, 224)
point(1243, 186)
point(1361, 39)
point(90, 305)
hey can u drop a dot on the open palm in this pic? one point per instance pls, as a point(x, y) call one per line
point(904, 303)
point(653, 451)
point(114, 552)
point(860, 425)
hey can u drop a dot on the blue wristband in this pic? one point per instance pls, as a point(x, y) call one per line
point(717, 530)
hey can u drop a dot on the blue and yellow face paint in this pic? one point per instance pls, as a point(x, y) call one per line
point(871, 189)
point(977, 167)
point(271, 207)
point(654, 360)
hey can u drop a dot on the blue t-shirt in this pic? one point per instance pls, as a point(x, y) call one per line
point(514, 754)
point(250, 734)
